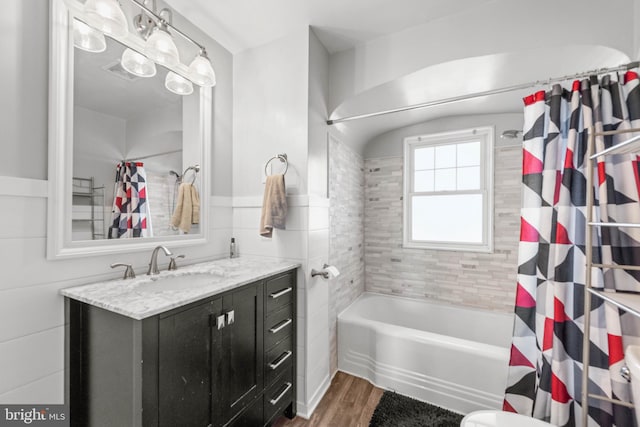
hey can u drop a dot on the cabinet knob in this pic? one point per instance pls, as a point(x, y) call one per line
point(231, 317)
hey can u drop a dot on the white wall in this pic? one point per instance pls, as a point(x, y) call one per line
point(23, 76)
point(154, 131)
point(270, 113)
point(31, 310)
point(317, 309)
point(280, 99)
point(99, 143)
point(390, 144)
point(495, 27)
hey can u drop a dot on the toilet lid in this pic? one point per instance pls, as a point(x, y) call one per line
point(500, 419)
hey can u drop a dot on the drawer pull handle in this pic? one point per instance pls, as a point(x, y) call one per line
point(220, 322)
point(279, 294)
point(280, 326)
point(275, 400)
point(280, 360)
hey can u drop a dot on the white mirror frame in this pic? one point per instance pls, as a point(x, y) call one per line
point(59, 243)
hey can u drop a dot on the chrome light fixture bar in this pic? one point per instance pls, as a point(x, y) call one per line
point(155, 28)
point(107, 17)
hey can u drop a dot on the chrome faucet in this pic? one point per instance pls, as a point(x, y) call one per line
point(153, 264)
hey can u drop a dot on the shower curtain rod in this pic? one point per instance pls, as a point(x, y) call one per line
point(451, 100)
point(164, 153)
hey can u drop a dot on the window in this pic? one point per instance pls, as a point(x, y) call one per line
point(448, 190)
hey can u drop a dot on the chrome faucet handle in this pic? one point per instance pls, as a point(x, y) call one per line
point(128, 272)
point(172, 263)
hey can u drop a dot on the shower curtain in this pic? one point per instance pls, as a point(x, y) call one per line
point(546, 353)
point(130, 213)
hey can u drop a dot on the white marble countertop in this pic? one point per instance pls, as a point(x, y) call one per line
point(146, 296)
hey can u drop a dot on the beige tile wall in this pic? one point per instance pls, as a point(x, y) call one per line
point(480, 280)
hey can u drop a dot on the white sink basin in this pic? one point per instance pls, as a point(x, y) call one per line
point(181, 282)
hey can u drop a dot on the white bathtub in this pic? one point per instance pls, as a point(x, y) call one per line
point(452, 357)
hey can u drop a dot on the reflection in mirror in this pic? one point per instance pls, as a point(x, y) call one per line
point(128, 151)
point(101, 116)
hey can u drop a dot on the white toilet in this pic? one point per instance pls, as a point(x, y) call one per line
point(632, 360)
point(500, 419)
point(509, 419)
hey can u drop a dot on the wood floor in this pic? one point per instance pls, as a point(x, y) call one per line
point(349, 402)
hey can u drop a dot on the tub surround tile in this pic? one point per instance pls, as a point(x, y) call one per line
point(346, 233)
point(150, 295)
point(473, 279)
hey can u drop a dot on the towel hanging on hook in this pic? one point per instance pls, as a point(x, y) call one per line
point(282, 158)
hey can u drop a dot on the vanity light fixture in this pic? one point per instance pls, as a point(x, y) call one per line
point(160, 46)
point(108, 16)
point(201, 71)
point(137, 64)
point(88, 38)
point(178, 84)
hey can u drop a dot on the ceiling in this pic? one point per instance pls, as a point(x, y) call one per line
point(452, 79)
point(339, 24)
point(344, 24)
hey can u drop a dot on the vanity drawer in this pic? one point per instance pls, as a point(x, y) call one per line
point(278, 396)
point(280, 292)
point(278, 326)
point(277, 360)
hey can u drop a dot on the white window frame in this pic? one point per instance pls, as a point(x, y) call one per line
point(486, 136)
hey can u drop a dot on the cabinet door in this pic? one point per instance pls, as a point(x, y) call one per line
point(242, 349)
point(184, 359)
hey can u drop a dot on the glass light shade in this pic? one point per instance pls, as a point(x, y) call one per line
point(108, 16)
point(137, 64)
point(87, 38)
point(178, 84)
point(161, 48)
point(201, 71)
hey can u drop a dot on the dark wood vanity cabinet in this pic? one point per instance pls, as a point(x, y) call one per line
point(228, 360)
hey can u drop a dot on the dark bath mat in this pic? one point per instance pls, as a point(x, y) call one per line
point(395, 410)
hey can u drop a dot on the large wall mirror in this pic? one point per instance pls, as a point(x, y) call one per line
point(110, 128)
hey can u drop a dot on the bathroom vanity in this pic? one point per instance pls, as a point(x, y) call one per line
point(211, 344)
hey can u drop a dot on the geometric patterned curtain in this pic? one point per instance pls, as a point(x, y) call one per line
point(545, 368)
point(130, 213)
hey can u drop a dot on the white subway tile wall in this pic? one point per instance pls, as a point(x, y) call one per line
point(481, 280)
point(346, 239)
point(32, 343)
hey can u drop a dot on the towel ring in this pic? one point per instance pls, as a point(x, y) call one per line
point(282, 158)
point(195, 169)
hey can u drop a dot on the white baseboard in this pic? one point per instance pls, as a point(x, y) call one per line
point(305, 410)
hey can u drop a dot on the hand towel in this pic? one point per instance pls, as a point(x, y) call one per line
point(183, 214)
point(274, 205)
point(195, 205)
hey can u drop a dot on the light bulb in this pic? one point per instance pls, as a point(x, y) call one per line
point(201, 71)
point(178, 84)
point(137, 64)
point(108, 16)
point(87, 38)
point(161, 48)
